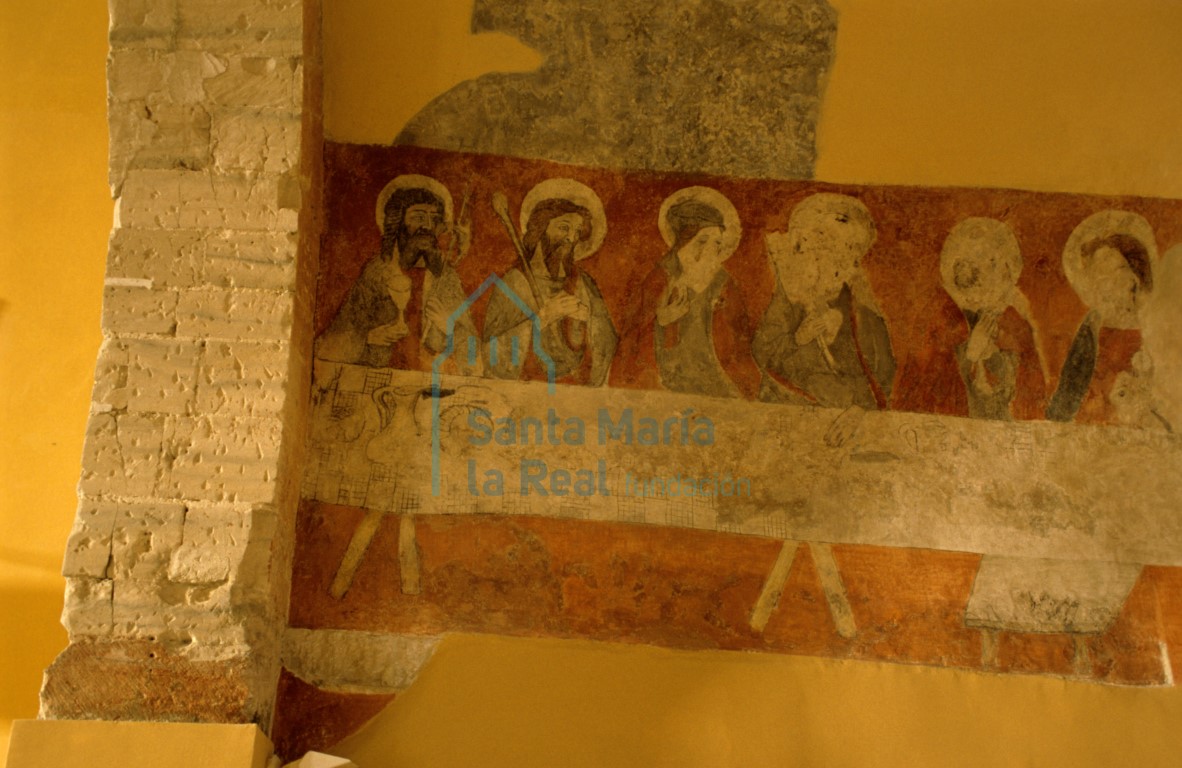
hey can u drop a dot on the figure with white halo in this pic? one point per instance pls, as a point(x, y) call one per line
point(396, 314)
point(689, 330)
point(562, 222)
point(1109, 260)
point(979, 266)
point(823, 340)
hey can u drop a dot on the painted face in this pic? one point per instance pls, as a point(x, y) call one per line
point(1120, 297)
point(702, 255)
point(421, 218)
point(558, 244)
point(417, 241)
point(981, 278)
point(835, 244)
point(564, 228)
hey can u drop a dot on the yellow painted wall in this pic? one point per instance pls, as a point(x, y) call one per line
point(1067, 95)
point(55, 213)
point(1075, 95)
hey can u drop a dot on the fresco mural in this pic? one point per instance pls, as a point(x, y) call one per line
point(988, 304)
point(712, 412)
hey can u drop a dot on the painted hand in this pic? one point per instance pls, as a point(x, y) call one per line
point(385, 335)
point(675, 306)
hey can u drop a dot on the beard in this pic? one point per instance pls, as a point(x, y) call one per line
point(414, 247)
point(559, 257)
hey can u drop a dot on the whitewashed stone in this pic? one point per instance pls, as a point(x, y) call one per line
point(163, 136)
point(251, 260)
point(162, 375)
point(243, 377)
point(258, 83)
point(226, 459)
point(110, 377)
point(161, 77)
point(87, 610)
point(88, 550)
point(169, 259)
point(123, 455)
point(255, 20)
point(234, 314)
point(143, 538)
point(138, 310)
point(367, 661)
point(145, 22)
point(179, 199)
point(215, 540)
point(248, 141)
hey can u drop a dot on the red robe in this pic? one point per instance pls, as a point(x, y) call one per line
point(636, 363)
point(931, 382)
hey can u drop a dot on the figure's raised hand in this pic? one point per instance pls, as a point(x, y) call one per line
point(560, 306)
point(385, 335)
point(675, 306)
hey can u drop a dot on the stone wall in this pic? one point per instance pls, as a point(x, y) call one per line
point(178, 566)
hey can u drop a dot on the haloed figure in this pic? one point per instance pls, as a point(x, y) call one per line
point(689, 330)
point(1109, 261)
point(563, 223)
point(980, 264)
point(396, 314)
point(823, 340)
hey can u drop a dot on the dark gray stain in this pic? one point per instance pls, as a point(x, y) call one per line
point(695, 85)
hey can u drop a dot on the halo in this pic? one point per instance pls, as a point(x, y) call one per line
point(1101, 225)
point(731, 232)
point(412, 181)
point(989, 232)
point(578, 193)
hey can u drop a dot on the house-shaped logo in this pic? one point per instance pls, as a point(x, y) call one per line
point(473, 353)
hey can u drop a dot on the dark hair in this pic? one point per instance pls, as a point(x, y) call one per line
point(1135, 254)
point(395, 209)
point(540, 218)
point(689, 217)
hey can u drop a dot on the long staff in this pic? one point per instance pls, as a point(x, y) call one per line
point(500, 205)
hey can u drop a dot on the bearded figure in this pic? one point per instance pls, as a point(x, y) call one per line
point(563, 223)
point(396, 314)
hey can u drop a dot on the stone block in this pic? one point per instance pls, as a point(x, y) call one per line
point(123, 455)
point(226, 459)
point(179, 199)
point(165, 258)
point(257, 83)
point(367, 660)
point(158, 609)
point(143, 538)
point(215, 540)
point(87, 609)
point(161, 77)
point(247, 378)
point(142, 22)
point(110, 377)
point(249, 141)
point(251, 260)
point(163, 136)
point(162, 375)
point(144, 680)
point(130, 309)
point(257, 21)
point(234, 314)
point(88, 550)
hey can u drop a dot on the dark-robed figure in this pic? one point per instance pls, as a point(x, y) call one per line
point(563, 223)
